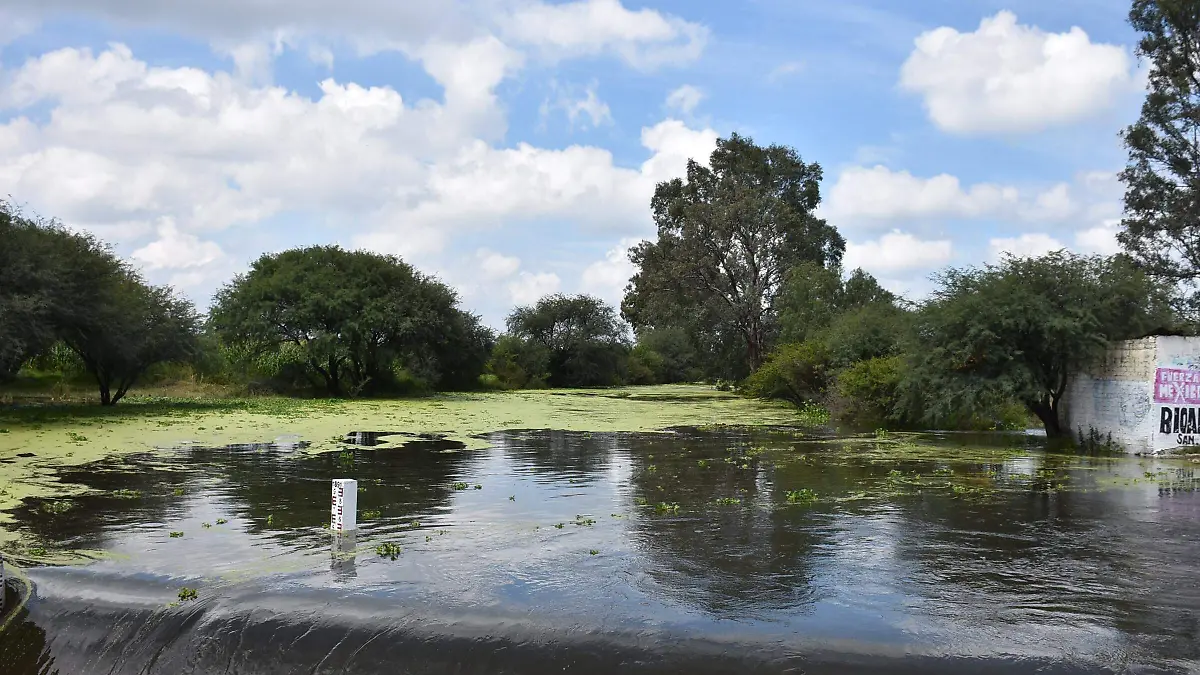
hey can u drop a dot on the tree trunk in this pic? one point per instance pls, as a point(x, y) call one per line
point(105, 394)
point(1047, 412)
point(334, 381)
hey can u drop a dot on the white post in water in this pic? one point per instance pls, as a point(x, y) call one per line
point(343, 515)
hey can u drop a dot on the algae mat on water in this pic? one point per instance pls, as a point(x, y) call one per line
point(33, 441)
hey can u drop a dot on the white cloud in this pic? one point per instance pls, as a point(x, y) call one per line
point(14, 25)
point(1006, 77)
point(607, 278)
point(577, 105)
point(528, 288)
point(1101, 239)
point(685, 99)
point(174, 250)
point(643, 38)
point(495, 266)
point(878, 194)
point(1024, 246)
point(127, 145)
point(897, 251)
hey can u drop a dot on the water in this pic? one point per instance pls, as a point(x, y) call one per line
point(604, 553)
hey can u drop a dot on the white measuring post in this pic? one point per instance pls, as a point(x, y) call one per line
point(343, 514)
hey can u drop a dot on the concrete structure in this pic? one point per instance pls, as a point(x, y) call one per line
point(1146, 393)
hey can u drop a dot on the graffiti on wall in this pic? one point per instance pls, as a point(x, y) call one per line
point(1179, 389)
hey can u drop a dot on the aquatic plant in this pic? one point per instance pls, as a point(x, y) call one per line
point(186, 594)
point(57, 507)
point(221, 521)
point(270, 519)
point(388, 550)
point(371, 515)
point(176, 535)
point(428, 539)
point(580, 520)
point(729, 501)
point(414, 524)
point(37, 551)
point(664, 507)
point(641, 501)
point(801, 496)
point(651, 468)
point(460, 486)
point(703, 464)
point(558, 526)
point(126, 494)
point(179, 492)
point(206, 525)
point(76, 437)
point(594, 552)
point(478, 487)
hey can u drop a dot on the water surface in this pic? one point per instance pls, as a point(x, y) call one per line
point(704, 550)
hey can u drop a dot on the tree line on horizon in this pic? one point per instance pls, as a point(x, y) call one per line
point(743, 286)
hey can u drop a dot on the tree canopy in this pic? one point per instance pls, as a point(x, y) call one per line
point(355, 317)
point(57, 285)
point(1019, 329)
point(1161, 227)
point(584, 339)
point(727, 237)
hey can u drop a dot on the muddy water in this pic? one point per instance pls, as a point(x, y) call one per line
point(703, 551)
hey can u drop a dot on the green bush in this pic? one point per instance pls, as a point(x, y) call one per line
point(645, 366)
point(867, 394)
point(519, 364)
point(798, 372)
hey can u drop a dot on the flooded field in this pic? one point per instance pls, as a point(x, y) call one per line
point(706, 549)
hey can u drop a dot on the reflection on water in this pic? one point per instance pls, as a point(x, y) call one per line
point(717, 550)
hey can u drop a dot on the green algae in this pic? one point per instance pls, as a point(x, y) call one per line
point(51, 437)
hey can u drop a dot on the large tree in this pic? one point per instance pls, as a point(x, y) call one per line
point(1019, 329)
point(354, 316)
point(68, 287)
point(1161, 227)
point(727, 236)
point(585, 339)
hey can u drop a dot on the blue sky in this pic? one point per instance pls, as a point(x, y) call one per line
point(511, 146)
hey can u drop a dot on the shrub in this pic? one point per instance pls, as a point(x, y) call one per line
point(798, 372)
point(868, 393)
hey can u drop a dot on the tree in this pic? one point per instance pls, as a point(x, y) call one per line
point(27, 289)
point(354, 316)
point(1161, 227)
point(727, 237)
point(586, 340)
point(61, 287)
point(815, 295)
point(132, 327)
point(1019, 330)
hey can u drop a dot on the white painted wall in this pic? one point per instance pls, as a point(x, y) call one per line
point(1123, 395)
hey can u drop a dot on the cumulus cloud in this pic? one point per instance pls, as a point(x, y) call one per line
point(1101, 239)
point(607, 278)
point(495, 266)
point(128, 145)
point(1024, 246)
point(896, 252)
point(643, 38)
point(528, 287)
point(1007, 77)
point(685, 99)
point(175, 250)
point(879, 195)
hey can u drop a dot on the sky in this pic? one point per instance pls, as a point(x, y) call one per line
point(511, 147)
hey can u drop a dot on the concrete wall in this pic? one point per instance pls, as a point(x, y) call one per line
point(1146, 393)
